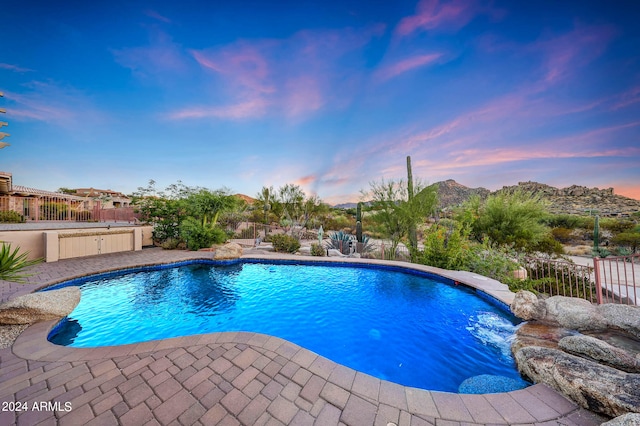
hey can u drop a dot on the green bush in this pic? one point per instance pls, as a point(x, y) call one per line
point(497, 262)
point(11, 217)
point(445, 246)
point(317, 250)
point(198, 235)
point(628, 240)
point(285, 243)
point(13, 263)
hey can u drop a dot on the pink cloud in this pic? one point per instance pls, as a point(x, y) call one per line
point(303, 95)
point(305, 180)
point(405, 65)
point(566, 53)
point(242, 64)
point(432, 14)
point(293, 76)
point(161, 59)
point(253, 108)
point(630, 97)
point(15, 68)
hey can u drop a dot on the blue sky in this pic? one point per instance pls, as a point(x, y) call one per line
point(330, 95)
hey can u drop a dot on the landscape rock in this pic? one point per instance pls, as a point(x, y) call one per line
point(600, 351)
point(526, 306)
point(537, 334)
point(572, 200)
point(228, 251)
point(573, 313)
point(629, 419)
point(596, 387)
point(40, 306)
point(621, 317)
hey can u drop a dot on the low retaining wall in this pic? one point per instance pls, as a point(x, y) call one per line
point(53, 245)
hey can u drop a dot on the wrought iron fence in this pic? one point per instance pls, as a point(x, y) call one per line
point(561, 278)
point(61, 208)
point(617, 279)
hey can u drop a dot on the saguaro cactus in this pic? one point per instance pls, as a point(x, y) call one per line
point(413, 235)
point(359, 222)
point(596, 236)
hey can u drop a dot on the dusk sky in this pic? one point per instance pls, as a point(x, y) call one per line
point(329, 95)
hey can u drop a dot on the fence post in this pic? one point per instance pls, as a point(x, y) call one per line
point(596, 273)
point(382, 250)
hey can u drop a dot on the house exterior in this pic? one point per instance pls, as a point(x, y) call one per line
point(86, 204)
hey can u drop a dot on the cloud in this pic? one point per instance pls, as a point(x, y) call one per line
point(564, 54)
point(54, 104)
point(155, 15)
point(162, 59)
point(405, 65)
point(253, 108)
point(436, 14)
point(305, 180)
point(293, 77)
point(14, 68)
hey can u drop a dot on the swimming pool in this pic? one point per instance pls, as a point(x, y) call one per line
point(408, 327)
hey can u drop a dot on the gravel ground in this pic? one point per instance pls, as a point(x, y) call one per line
point(9, 333)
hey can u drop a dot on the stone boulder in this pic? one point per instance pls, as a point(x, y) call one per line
point(40, 306)
point(596, 387)
point(600, 351)
point(526, 306)
point(630, 419)
point(621, 317)
point(228, 251)
point(573, 313)
point(568, 312)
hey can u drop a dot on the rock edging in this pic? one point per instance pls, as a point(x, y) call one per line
point(569, 344)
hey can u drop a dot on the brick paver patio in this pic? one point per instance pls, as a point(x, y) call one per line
point(225, 378)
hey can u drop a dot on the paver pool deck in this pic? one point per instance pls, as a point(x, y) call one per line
point(234, 378)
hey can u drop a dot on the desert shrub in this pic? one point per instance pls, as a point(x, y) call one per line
point(616, 226)
point(627, 240)
point(566, 221)
point(564, 235)
point(171, 243)
point(497, 262)
point(199, 235)
point(285, 243)
point(317, 250)
point(514, 218)
point(445, 246)
point(547, 245)
point(53, 211)
point(11, 217)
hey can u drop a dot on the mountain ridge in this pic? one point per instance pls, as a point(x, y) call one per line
point(574, 199)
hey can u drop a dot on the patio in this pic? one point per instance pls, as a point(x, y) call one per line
point(226, 378)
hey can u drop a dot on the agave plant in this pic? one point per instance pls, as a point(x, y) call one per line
point(340, 241)
point(13, 263)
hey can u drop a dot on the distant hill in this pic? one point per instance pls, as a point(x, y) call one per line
point(453, 194)
point(572, 200)
point(246, 198)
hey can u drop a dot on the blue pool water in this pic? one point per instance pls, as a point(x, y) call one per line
point(408, 328)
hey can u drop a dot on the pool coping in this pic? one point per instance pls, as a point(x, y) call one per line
point(312, 388)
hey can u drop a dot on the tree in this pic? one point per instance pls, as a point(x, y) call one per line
point(393, 210)
point(512, 218)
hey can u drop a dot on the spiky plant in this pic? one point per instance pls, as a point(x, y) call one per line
point(13, 263)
